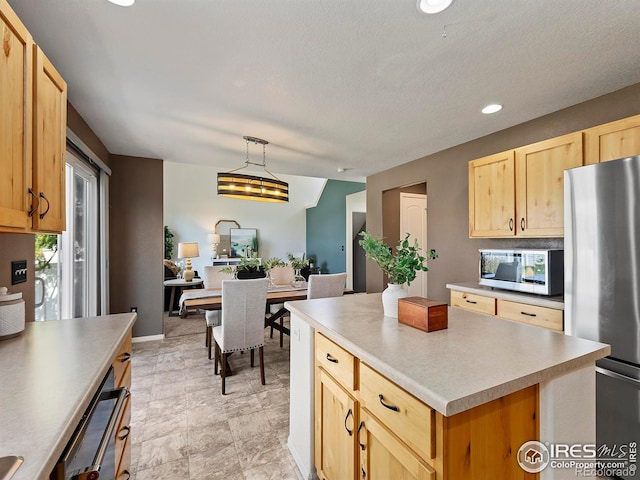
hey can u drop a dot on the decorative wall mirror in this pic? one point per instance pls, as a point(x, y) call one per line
point(223, 228)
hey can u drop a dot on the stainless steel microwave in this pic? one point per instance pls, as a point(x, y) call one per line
point(531, 271)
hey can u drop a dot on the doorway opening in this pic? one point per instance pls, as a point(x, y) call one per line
point(404, 210)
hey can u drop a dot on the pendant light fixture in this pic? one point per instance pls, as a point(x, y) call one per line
point(250, 187)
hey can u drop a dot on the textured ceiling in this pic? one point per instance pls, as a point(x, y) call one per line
point(361, 85)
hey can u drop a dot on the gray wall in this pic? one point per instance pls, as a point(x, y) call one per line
point(136, 241)
point(445, 174)
point(15, 246)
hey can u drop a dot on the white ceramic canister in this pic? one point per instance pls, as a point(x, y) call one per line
point(11, 314)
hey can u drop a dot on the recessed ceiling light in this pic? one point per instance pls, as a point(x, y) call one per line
point(123, 3)
point(433, 6)
point(493, 108)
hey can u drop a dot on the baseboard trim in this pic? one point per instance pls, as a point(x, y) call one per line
point(300, 464)
point(148, 338)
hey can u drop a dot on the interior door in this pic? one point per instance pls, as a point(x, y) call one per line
point(413, 220)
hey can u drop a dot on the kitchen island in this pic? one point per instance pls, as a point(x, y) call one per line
point(48, 376)
point(538, 382)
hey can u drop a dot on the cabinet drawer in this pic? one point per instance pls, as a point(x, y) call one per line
point(122, 365)
point(336, 361)
point(410, 419)
point(539, 316)
point(473, 302)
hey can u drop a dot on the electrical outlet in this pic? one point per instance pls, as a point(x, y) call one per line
point(134, 309)
point(18, 272)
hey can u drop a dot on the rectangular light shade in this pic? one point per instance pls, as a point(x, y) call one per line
point(188, 250)
point(249, 187)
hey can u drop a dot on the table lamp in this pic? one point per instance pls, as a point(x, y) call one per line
point(214, 240)
point(188, 250)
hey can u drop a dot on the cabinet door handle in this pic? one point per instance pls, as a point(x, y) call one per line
point(386, 405)
point(331, 358)
point(125, 357)
point(528, 314)
point(511, 224)
point(349, 413)
point(44, 214)
point(33, 207)
point(360, 427)
point(126, 431)
point(471, 301)
point(522, 224)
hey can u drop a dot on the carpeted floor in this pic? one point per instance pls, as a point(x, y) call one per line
point(177, 327)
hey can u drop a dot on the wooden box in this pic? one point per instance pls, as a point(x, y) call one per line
point(422, 313)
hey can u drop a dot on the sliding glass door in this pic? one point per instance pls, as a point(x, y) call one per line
point(67, 268)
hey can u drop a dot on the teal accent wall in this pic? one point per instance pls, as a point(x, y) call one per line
point(326, 226)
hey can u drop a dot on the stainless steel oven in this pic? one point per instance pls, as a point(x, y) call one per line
point(90, 454)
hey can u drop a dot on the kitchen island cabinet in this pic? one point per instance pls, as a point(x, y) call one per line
point(49, 375)
point(456, 403)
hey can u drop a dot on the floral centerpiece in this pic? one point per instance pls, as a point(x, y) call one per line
point(400, 268)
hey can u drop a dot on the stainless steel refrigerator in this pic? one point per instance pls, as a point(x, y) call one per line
point(602, 285)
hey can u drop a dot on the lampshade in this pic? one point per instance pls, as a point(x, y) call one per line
point(213, 238)
point(251, 187)
point(188, 250)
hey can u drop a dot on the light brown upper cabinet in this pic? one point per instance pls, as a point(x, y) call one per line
point(49, 146)
point(16, 68)
point(612, 140)
point(540, 184)
point(492, 196)
point(33, 109)
point(521, 192)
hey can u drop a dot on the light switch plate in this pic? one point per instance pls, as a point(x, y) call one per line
point(18, 272)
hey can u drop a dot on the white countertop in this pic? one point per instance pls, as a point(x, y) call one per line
point(48, 376)
point(556, 302)
point(477, 359)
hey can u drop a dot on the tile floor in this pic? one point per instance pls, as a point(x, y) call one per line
point(183, 428)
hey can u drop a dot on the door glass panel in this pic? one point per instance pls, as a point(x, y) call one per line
point(47, 277)
point(80, 239)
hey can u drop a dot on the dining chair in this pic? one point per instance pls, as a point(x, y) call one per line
point(280, 276)
point(323, 286)
point(213, 277)
point(242, 328)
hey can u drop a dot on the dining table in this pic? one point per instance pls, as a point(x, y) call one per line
point(211, 299)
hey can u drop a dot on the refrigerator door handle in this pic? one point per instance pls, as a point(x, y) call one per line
point(618, 376)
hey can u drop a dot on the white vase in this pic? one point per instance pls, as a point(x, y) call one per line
point(390, 297)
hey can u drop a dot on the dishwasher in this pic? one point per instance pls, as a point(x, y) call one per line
point(90, 454)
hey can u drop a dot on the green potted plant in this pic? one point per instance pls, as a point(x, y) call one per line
point(247, 268)
point(271, 263)
point(400, 268)
point(297, 264)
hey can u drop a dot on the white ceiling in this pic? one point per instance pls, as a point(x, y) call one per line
point(362, 85)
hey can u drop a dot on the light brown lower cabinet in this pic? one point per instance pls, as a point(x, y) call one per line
point(375, 430)
point(545, 317)
point(122, 378)
point(383, 456)
point(335, 449)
